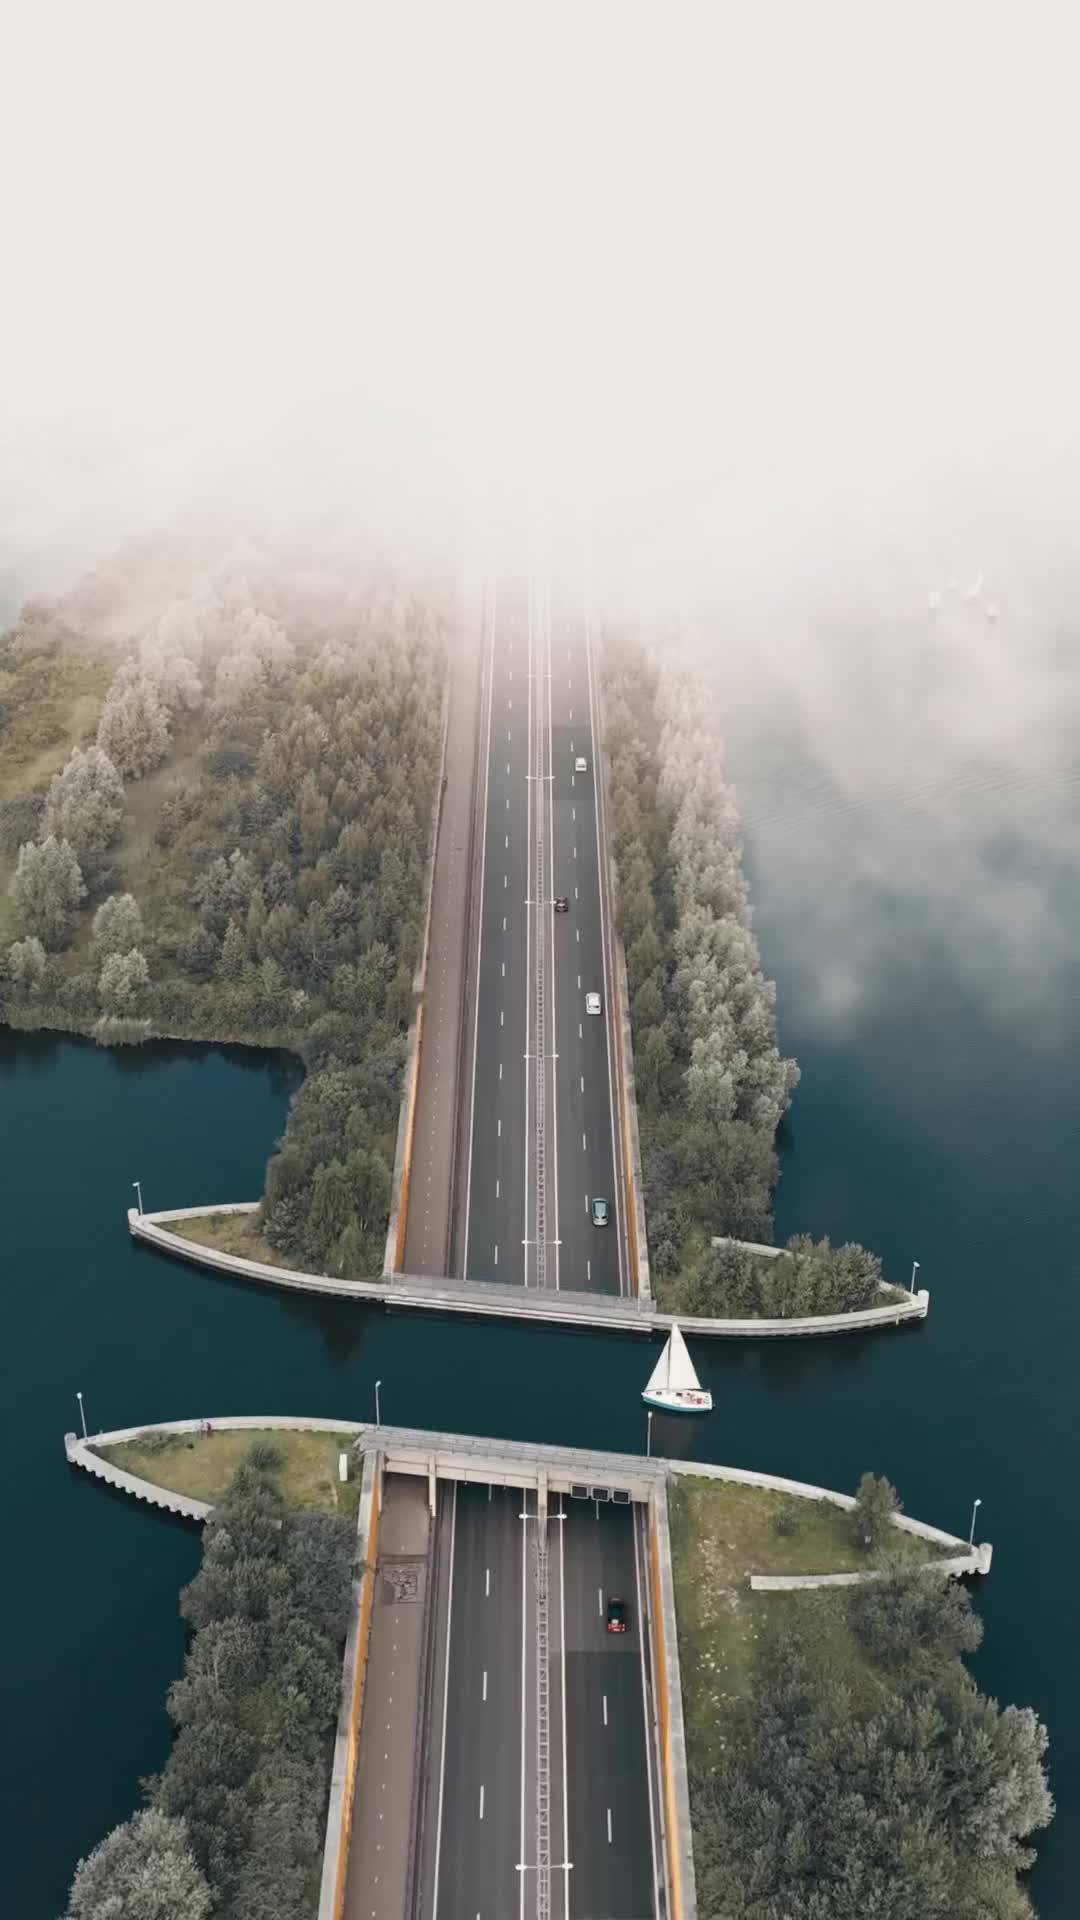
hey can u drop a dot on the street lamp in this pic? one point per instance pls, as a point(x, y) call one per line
point(138, 1190)
point(82, 1413)
point(914, 1271)
point(378, 1421)
point(648, 1435)
point(974, 1511)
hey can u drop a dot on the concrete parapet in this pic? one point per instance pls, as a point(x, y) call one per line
point(354, 1668)
point(975, 1562)
point(491, 1299)
point(399, 1185)
point(678, 1831)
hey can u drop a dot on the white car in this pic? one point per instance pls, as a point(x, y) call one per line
point(593, 1003)
point(581, 765)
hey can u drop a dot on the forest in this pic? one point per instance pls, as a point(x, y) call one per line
point(214, 823)
point(886, 1784)
point(712, 1087)
point(234, 1822)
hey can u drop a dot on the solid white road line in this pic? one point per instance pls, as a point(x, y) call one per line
point(524, 1669)
point(565, 1768)
point(645, 1627)
point(549, 802)
point(480, 933)
point(626, 1279)
point(528, 918)
point(446, 1691)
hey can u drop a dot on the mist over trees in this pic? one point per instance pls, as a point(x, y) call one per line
point(711, 1083)
point(266, 884)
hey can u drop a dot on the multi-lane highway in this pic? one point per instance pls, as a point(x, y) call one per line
point(539, 1111)
point(481, 1849)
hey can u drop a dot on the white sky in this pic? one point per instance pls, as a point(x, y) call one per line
point(751, 272)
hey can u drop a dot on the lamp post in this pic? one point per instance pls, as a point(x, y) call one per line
point(138, 1192)
point(974, 1511)
point(914, 1271)
point(82, 1413)
point(648, 1435)
point(378, 1421)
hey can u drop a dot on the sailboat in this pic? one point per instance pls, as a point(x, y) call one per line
point(673, 1386)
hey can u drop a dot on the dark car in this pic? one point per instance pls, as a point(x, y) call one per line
point(617, 1620)
point(562, 904)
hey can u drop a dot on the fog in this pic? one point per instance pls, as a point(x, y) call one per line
point(763, 320)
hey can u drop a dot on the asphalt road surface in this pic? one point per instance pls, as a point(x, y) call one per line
point(536, 720)
point(608, 1749)
point(480, 1846)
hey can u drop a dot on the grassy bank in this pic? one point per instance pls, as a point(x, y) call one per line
point(202, 1465)
point(721, 1534)
point(235, 1233)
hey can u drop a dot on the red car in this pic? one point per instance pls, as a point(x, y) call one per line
point(617, 1621)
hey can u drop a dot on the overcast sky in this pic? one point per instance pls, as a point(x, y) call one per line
point(737, 278)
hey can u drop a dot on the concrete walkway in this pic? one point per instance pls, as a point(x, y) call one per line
point(381, 1836)
point(431, 1178)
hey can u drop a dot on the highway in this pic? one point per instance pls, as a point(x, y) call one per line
point(480, 1846)
point(538, 1105)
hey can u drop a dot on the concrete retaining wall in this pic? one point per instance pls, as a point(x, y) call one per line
point(977, 1561)
point(353, 1676)
point(399, 1185)
point(489, 1299)
point(678, 1831)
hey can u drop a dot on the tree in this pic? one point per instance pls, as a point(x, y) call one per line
point(143, 1870)
point(909, 1613)
point(134, 724)
point(123, 977)
point(26, 965)
point(48, 890)
point(85, 803)
point(118, 925)
point(876, 1503)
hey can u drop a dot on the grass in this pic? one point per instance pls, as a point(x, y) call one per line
point(721, 1533)
point(233, 1233)
point(202, 1465)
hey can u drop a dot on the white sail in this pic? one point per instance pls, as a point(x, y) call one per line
point(658, 1378)
point(680, 1370)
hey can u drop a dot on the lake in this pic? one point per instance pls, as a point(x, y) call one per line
point(936, 1120)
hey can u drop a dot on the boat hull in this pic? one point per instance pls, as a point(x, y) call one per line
point(678, 1400)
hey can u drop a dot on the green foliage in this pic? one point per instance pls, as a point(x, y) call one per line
point(143, 1870)
point(124, 977)
point(118, 925)
point(134, 725)
point(814, 1277)
point(47, 890)
point(876, 1502)
point(279, 860)
point(259, 1694)
point(915, 1810)
point(85, 804)
point(909, 1614)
